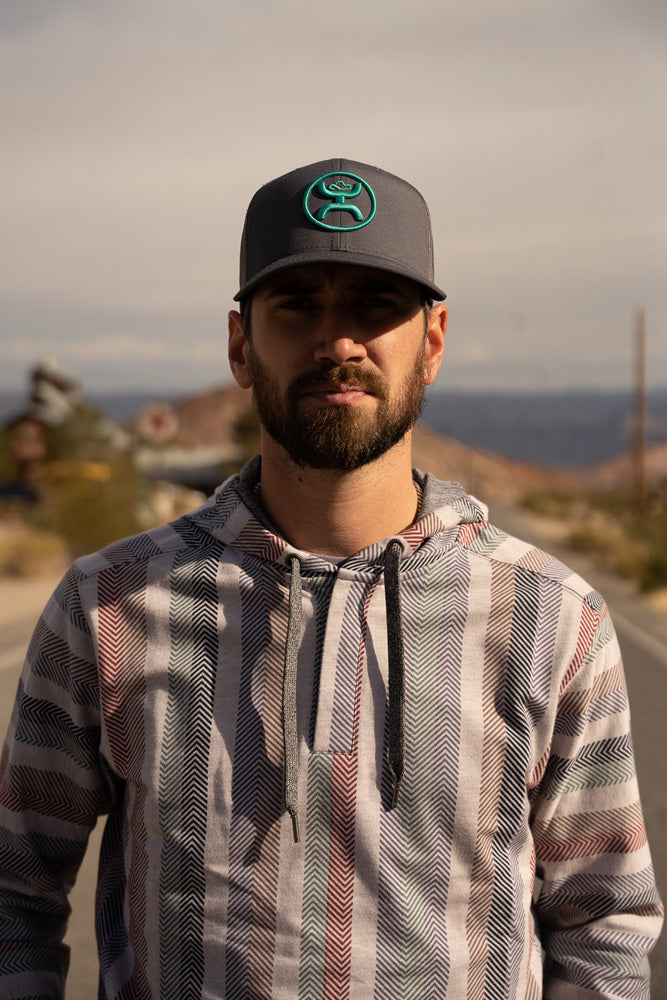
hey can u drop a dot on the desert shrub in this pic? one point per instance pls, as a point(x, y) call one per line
point(549, 504)
point(90, 504)
point(27, 551)
point(654, 570)
point(610, 528)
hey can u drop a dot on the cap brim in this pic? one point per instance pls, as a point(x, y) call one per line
point(338, 257)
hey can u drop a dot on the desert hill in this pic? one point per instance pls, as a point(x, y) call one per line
point(484, 474)
point(618, 473)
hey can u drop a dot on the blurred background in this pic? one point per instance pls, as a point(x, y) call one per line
point(134, 133)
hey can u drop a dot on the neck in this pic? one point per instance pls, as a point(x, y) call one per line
point(338, 513)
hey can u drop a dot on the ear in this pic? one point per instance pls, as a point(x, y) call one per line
point(435, 342)
point(236, 350)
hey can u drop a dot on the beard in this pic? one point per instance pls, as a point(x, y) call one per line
point(341, 438)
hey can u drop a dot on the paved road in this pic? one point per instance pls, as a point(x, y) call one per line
point(643, 637)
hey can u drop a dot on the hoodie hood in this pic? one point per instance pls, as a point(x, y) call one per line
point(235, 516)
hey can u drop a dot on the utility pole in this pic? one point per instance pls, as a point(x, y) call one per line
point(639, 450)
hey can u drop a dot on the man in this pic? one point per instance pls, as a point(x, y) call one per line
point(339, 722)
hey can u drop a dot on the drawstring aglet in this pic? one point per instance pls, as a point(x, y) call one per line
point(295, 827)
point(397, 788)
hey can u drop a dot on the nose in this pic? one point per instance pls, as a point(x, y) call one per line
point(337, 342)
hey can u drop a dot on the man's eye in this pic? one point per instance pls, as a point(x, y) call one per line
point(380, 302)
point(296, 304)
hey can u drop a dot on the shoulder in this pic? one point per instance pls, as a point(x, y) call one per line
point(528, 564)
point(188, 533)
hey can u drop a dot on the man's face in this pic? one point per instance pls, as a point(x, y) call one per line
point(337, 358)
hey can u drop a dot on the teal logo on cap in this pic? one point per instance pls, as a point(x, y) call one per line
point(340, 195)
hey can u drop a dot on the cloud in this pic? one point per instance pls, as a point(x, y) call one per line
point(134, 134)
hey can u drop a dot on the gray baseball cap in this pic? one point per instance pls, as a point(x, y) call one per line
point(337, 211)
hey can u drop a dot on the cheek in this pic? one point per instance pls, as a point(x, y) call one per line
point(279, 355)
point(406, 362)
point(269, 377)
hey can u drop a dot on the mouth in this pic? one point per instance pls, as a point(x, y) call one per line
point(337, 393)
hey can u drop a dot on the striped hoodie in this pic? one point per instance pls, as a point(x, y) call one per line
point(513, 863)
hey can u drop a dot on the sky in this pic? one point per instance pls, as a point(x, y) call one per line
point(134, 133)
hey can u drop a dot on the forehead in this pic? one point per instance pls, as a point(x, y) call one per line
point(315, 278)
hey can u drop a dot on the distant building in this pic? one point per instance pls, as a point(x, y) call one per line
point(53, 396)
point(192, 442)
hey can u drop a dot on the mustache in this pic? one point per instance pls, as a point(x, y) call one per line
point(367, 379)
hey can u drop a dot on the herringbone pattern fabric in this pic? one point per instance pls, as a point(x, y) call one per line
point(152, 692)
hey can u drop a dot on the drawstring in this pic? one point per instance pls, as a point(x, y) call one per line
point(290, 745)
point(396, 665)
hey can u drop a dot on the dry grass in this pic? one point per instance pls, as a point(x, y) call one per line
point(617, 536)
point(27, 552)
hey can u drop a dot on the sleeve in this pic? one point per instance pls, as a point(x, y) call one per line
point(53, 786)
point(598, 909)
